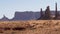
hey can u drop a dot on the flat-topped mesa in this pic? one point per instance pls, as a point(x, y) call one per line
point(26, 15)
point(42, 15)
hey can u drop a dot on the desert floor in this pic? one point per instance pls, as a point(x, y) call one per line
point(30, 27)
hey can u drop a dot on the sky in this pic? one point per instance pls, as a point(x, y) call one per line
point(9, 7)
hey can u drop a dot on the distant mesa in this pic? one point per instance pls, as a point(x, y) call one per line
point(26, 15)
point(23, 16)
point(41, 15)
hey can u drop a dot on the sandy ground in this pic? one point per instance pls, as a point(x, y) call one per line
point(30, 27)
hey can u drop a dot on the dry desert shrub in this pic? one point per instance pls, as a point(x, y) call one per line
point(19, 28)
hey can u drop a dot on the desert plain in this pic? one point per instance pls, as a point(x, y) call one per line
point(30, 27)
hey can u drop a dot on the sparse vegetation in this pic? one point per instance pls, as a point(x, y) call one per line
point(30, 27)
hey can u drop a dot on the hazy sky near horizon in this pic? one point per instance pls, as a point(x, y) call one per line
point(9, 7)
